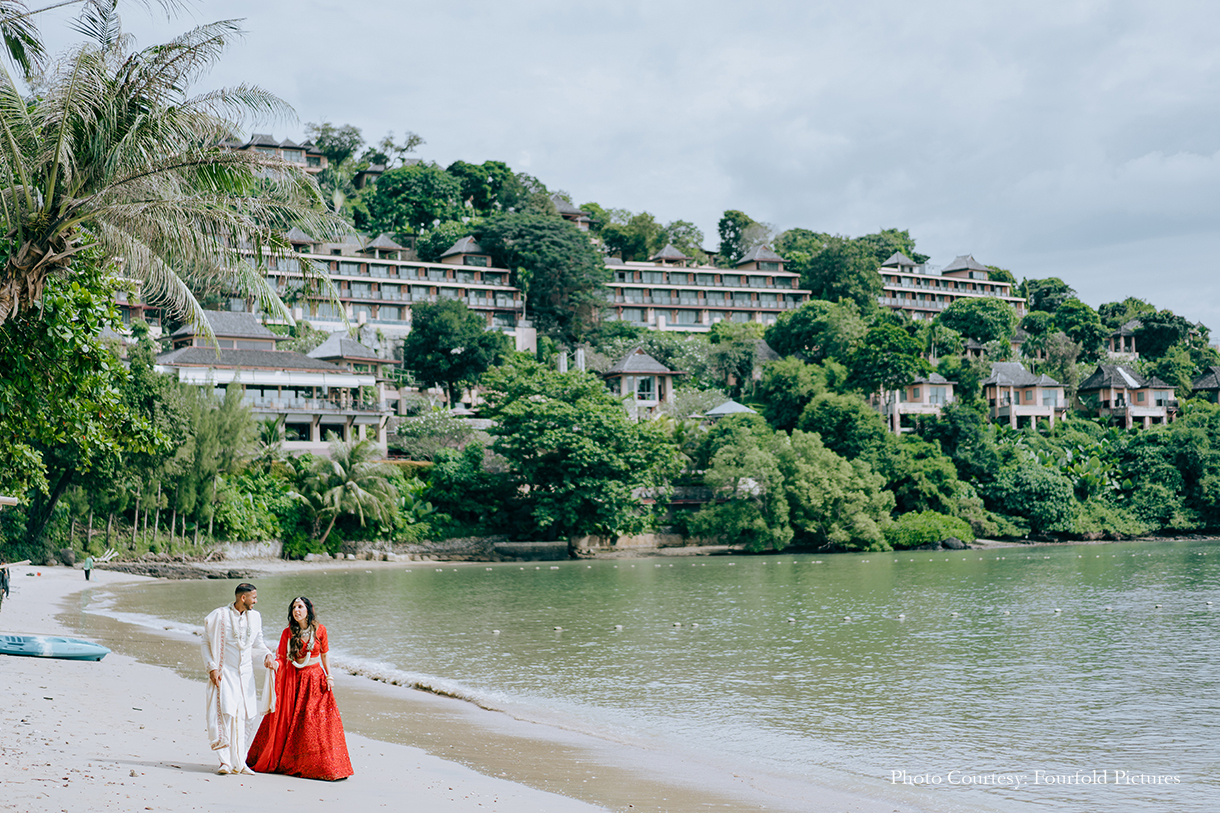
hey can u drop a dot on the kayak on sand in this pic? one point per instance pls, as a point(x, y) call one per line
point(51, 646)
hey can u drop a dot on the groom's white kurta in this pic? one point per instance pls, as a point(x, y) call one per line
point(231, 641)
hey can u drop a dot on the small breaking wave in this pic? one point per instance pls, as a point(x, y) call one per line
point(390, 674)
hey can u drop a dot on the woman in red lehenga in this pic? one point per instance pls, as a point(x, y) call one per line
point(303, 735)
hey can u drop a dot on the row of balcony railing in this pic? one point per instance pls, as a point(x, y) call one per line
point(945, 289)
point(312, 404)
point(754, 282)
point(714, 304)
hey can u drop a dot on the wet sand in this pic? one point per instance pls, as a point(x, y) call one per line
point(127, 734)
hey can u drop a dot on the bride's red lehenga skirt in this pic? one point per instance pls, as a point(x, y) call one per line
point(304, 735)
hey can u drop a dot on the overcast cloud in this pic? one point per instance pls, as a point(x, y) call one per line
point(1071, 139)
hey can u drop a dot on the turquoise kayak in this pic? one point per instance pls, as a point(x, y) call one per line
point(51, 646)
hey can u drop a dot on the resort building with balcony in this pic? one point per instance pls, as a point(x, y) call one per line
point(377, 285)
point(306, 155)
point(309, 397)
point(1124, 396)
point(1121, 343)
point(1207, 385)
point(570, 213)
point(669, 292)
point(923, 293)
point(1021, 398)
point(642, 382)
point(922, 397)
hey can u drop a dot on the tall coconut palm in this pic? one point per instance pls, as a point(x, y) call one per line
point(113, 149)
point(350, 482)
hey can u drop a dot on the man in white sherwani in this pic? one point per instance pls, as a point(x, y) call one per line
point(232, 638)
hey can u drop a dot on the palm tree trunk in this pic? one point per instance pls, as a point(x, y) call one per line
point(135, 523)
point(328, 529)
point(173, 525)
point(109, 525)
point(89, 531)
point(157, 520)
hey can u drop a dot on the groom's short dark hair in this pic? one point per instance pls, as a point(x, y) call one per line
point(244, 587)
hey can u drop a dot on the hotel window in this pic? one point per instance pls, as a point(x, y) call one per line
point(389, 313)
point(731, 279)
point(936, 395)
point(768, 266)
point(450, 293)
point(741, 316)
point(1029, 396)
point(313, 160)
point(1050, 399)
point(297, 431)
point(475, 261)
point(361, 289)
point(758, 282)
point(644, 388)
point(686, 317)
point(1139, 396)
point(624, 276)
point(914, 393)
point(679, 279)
point(349, 268)
point(705, 279)
point(436, 273)
point(633, 294)
point(294, 156)
point(633, 314)
point(464, 276)
point(381, 271)
point(653, 277)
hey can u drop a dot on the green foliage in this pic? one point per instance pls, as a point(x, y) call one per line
point(843, 270)
point(411, 198)
point(1158, 332)
point(917, 529)
point(1083, 326)
point(487, 187)
point(836, 503)
point(1102, 517)
point(732, 229)
point(337, 143)
point(818, 330)
point(1040, 495)
point(468, 498)
point(574, 454)
point(1046, 294)
point(984, 319)
point(786, 388)
point(887, 359)
point(634, 238)
point(734, 352)
point(449, 345)
point(422, 437)
point(1116, 314)
point(565, 272)
point(349, 483)
point(847, 425)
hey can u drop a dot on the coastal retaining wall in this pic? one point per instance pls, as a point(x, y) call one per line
point(644, 544)
point(251, 550)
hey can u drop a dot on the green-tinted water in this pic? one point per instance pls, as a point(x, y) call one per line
point(1010, 661)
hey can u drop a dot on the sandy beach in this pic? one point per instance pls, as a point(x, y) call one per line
point(125, 734)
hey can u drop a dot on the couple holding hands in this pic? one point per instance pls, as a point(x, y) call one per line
point(300, 733)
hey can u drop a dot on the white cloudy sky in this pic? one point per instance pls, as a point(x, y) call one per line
point(1075, 138)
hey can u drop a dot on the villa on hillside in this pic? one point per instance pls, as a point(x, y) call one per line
point(572, 214)
point(309, 397)
point(670, 292)
point(1120, 394)
point(307, 155)
point(1121, 342)
point(645, 381)
point(922, 397)
point(1208, 384)
point(1020, 398)
point(922, 293)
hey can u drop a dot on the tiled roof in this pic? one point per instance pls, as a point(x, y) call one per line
point(964, 262)
point(1012, 374)
point(931, 378)
point(1210, 380)
point(231, 325)
point(467, 245)
point(898, 260)
point(637, 362)
point(385, 243)
point(668, 253)
point(728, 408)
point(1128, 328)
point(1116, 376)
point(245, 359)
point(341, 345)
point(760, 254)
point(288, 143)
point(297, 237)
point(564, 207)
point(614, 261)
point(262, 140)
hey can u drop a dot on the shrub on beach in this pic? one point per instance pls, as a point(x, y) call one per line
point(916, 529)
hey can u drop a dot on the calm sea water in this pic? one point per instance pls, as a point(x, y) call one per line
point(950, 669)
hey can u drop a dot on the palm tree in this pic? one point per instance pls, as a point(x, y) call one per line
point(113, 150)
point(350, 482)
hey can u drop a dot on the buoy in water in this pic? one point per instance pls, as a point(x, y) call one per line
point(791, 620)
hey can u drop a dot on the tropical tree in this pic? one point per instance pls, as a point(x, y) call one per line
point(114, 151)
point(450, 345)
point(350, 482)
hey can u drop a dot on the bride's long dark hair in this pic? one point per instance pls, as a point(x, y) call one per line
point(297, 643)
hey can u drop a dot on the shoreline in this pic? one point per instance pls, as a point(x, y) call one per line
point(467, 758)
